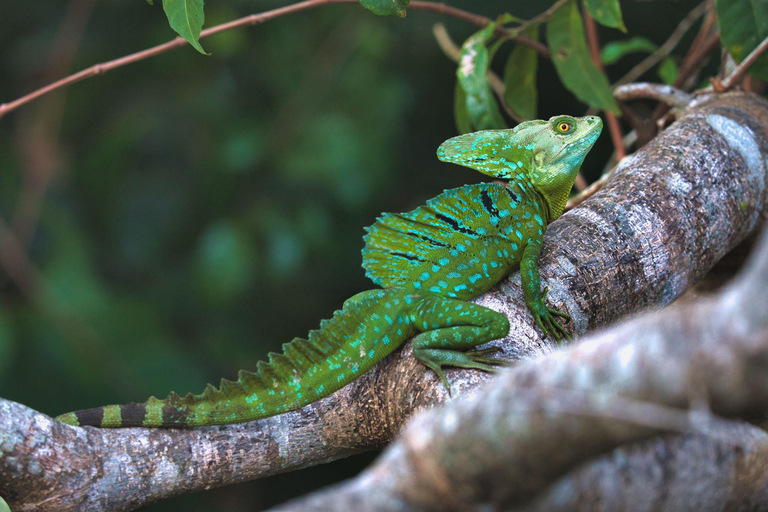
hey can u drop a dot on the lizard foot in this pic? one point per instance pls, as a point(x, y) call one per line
point(545, 319)
point(435, 359)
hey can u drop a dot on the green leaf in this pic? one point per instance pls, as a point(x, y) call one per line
point(520, 78)
point(472, 74)
point(668, 71)
point(606, 12)
point(743, 25)
point(615, 50)
point(565, 33)
point(186, 17)
point(386, 7)
point(460, 114)
point(151, 2)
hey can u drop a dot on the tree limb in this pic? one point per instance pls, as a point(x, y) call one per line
point(548, 416)
point(669, 214)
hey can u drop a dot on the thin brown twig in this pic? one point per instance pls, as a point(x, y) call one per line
point(253, 19)
point(666, 48)
point(738, 73)
point(690, 68)
point(690, 64)
point(594, 49)
point(541, 17)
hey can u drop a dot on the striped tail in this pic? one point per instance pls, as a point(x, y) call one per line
point(306, 371)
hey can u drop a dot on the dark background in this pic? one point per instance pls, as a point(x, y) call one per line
point(186, 214)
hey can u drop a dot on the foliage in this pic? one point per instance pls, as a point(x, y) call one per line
point(570, 56)
point(475, 107)
point(743, 25)
point(474, 93)
point(615, 50)
point(186, 17)
point(386, 7)
point(520, 91)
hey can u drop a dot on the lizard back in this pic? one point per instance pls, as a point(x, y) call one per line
point(458, 245)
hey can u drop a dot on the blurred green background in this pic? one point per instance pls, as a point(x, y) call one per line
point(182, 216)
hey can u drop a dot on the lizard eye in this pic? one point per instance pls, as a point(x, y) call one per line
point(564, 127)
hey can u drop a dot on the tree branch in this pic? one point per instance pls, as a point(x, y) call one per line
point(253, 19)
point(671, 211)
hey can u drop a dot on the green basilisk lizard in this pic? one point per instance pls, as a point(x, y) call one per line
point(429, 261)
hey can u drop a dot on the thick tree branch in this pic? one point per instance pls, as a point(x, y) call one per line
point(668, 215)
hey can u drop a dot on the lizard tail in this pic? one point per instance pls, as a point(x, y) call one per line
point(307, 370)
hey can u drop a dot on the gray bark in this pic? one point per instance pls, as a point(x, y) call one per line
point(669, 214)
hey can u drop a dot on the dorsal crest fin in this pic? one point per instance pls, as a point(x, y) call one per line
point(496, 153)
point(400, 247)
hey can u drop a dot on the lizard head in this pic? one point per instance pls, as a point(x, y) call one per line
point(547, 154)
point(565, 141)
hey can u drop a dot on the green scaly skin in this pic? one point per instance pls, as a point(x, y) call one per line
point(429, 262)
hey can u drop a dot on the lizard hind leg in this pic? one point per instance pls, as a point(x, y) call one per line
point(451, 329)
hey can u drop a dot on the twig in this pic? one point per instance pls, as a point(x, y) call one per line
point(691, 67)
point(253, 19)
point(541, 17)
point(694, 57)
point(666, 48)
point(673, 97)
point(594, 49)
point(738, 73)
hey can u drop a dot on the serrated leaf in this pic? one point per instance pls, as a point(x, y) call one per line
point(565, 33)
point(186, 17)
point(472, 74)
point(743, 25)
point(615, 50)
point(668, 71)
point(386, 7)
point(520, 78)
point(606, 12)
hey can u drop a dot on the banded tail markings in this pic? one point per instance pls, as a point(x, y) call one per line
point(307, 370)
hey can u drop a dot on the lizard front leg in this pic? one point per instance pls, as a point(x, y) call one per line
point(450, 328)
point(534, 297)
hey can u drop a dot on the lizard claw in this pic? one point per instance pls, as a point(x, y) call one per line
point(546, 321)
